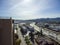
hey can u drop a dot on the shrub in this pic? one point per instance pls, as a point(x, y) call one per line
point(27, 40)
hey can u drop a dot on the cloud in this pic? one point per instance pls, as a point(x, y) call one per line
point(30, 9)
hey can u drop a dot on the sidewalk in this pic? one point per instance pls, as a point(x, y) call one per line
point(21, 37)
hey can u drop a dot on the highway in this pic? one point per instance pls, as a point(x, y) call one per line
point(49, 33)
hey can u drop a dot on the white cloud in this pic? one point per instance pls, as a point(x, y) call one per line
point(28, 9)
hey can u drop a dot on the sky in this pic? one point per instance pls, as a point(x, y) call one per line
point(29, 9)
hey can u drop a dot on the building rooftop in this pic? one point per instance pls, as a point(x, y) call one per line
point(5, 17)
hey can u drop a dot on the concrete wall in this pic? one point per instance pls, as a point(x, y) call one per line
point(6, 32)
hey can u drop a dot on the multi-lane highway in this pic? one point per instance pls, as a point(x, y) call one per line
point(49, 33)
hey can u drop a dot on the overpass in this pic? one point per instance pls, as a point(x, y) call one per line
point(49, 33)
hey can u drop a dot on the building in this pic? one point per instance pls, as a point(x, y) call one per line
point(6, 32)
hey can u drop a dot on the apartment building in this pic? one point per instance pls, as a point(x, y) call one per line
point(6, 32)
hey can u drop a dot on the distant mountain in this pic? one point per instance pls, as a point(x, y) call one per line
point(39, 20)
point(46, 20)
